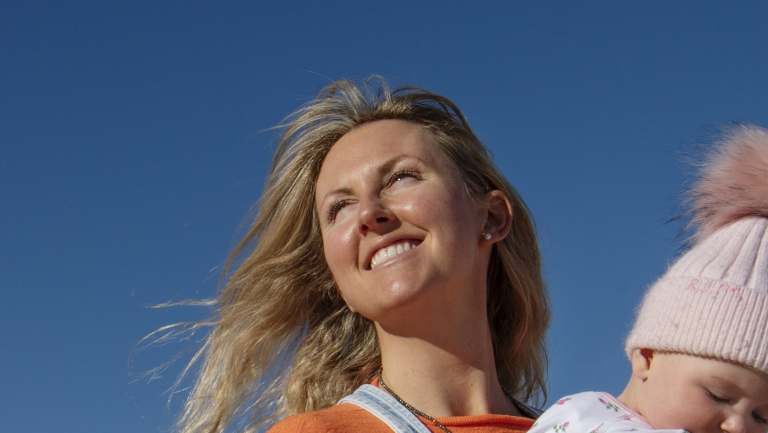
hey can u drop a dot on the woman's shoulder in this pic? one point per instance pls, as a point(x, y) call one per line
point(340, 418)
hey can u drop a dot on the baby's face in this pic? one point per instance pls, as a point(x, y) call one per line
point(703, 395)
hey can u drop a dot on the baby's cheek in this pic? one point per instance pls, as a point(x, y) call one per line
point(700, 415)
point(659, 412)
point(684, 414)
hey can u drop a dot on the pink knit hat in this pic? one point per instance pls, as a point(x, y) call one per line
point(713, 302)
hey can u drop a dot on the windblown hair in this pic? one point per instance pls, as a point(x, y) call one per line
point(280, 292)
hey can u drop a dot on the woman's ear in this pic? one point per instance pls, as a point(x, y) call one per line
point(641, 360)
point(498, 217)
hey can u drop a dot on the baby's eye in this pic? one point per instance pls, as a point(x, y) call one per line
point(717, 398)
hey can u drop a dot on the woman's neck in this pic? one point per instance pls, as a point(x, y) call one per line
point(443, 370)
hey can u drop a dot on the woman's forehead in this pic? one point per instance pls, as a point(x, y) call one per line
point(369, 148)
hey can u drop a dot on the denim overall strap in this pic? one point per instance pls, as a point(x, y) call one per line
point(383, 406)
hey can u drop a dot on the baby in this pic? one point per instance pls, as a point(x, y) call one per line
point(699, 347)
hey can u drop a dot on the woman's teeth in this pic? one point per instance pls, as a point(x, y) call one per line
point(387, 253)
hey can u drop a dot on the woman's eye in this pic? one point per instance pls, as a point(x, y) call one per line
point(717, 398)
point(335, 208)
point(400, 175)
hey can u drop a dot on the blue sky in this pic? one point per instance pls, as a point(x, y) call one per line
point(134, 144)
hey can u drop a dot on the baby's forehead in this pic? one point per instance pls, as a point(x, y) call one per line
point(728, 376)
point(701, 367)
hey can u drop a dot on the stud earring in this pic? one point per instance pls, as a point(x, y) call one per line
point(487, 236)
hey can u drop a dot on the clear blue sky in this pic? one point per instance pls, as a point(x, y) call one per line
point(133, 146)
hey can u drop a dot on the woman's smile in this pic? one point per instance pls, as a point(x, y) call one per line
point(392, 253)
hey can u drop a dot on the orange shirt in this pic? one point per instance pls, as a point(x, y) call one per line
point(349, 418)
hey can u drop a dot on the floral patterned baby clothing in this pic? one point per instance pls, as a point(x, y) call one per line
point(592, 412)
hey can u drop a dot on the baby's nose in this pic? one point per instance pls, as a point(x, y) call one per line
point(734, 423)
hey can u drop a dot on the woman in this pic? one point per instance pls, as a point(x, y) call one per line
point(388, 251)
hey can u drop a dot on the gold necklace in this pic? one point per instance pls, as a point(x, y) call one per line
point(412, 409)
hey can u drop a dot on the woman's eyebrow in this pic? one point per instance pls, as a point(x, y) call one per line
point(383, 169)
point(338, 191)
point(392, 162)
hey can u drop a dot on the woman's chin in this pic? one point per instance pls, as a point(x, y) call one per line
point(404, 303)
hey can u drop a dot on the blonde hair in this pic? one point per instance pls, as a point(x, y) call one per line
point(280, 304)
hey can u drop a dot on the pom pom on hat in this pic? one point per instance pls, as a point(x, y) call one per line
point(713, 301)
point(733, 182)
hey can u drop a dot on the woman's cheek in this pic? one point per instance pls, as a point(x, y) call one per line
point(338, 249)
point(429, 206)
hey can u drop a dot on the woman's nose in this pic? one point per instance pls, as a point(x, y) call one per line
point(374, 217)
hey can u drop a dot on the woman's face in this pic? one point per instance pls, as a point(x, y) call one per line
point(398, 226)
